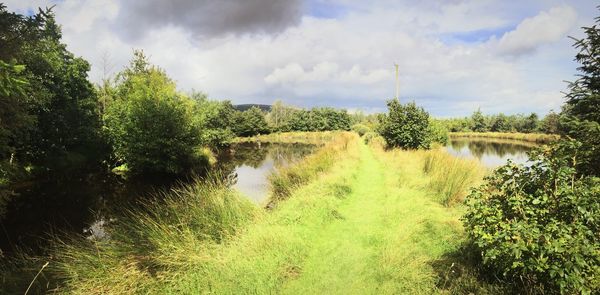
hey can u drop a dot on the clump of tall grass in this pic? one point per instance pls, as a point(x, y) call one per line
point(531, 137)
point(175, 231)
point(451, 177)
point(286, 179)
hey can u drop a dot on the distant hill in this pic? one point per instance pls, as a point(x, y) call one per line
point(243, 107)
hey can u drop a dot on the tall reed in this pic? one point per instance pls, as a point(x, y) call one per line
point(450, 177)
point(172, 232)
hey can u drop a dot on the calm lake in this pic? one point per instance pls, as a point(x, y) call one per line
point(490, 152)
point(86, 204)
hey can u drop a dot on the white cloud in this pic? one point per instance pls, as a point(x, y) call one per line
point(348, 61)
point(546, 27)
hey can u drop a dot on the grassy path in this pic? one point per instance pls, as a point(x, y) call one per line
point(385, 238)
point(368, 225)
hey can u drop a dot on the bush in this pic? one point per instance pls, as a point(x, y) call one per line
point(360, 129)
point(250, 123)
point(438, 132)
point(538, 224)
point(405, 126)
point(150, 124)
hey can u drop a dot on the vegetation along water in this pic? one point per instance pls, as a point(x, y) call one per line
point(132, 186)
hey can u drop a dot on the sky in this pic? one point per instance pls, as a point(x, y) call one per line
point(454, 56)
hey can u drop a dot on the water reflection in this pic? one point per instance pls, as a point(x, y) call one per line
point(87, 203)
point(249, 165)
point(491, 153)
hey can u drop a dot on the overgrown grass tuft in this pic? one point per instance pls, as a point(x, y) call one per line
point(173, 232)
point(451, 177)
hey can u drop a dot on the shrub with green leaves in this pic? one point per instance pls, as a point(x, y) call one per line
point(361, 129)
point(538, 225)
point(151, 125)
point(405, 126)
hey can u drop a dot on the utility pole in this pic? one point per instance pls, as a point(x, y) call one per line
point(397, 83)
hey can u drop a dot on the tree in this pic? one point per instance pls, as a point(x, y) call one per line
point(550, 123)
point(581, 112)
point(151, 125)
point(500, 124)
point(405, 126)
point(478, 121)
point(216, 119)
point(250, 122)
point(53, 123)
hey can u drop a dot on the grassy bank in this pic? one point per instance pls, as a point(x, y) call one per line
point(318, 138)
point(530, 137)
point(361, 220)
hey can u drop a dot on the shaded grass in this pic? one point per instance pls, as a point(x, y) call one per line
point(530, 137)
point(164, 236)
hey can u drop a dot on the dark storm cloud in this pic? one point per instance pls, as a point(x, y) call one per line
point(208, 18)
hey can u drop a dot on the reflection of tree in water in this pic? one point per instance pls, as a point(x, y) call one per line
point(255, 155)
point(478, 148)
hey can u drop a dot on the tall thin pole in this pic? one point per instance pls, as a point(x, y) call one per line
point(397, 83)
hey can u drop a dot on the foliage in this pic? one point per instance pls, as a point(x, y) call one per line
point(361, 129)
point(279, 116)
point(250, 122)
point(405, 126)
point(216, 119)
point(318, 119)
point(551, 123)
point(438, 132)
point(538, 223)
point(150, 125)
point(581, 112)
point(478, 122)
point(50, 113)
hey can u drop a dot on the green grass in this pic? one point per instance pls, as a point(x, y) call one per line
point(318, 138)
point(367, 222)
point(530, 137)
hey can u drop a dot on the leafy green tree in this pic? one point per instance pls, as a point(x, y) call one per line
point(581, 113)
point(438, 132)
point(151, 125)
point(279, 116)
point(405, 126)
point(53, 123)
point(500, 124)
point(550, 123)
point(478, 122)
point(216, 118)
point(250, 122)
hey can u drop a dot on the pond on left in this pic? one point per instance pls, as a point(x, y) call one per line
point(84, 204)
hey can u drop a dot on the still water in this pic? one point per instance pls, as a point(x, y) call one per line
point(491, 153)
point(85, 204)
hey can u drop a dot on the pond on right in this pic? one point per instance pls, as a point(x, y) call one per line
point(491, 153)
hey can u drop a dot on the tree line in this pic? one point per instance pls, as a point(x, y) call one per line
point(55, 123)
point(478, 122)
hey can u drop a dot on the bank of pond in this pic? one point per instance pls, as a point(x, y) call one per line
point(65, 207)
point(85, 205)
